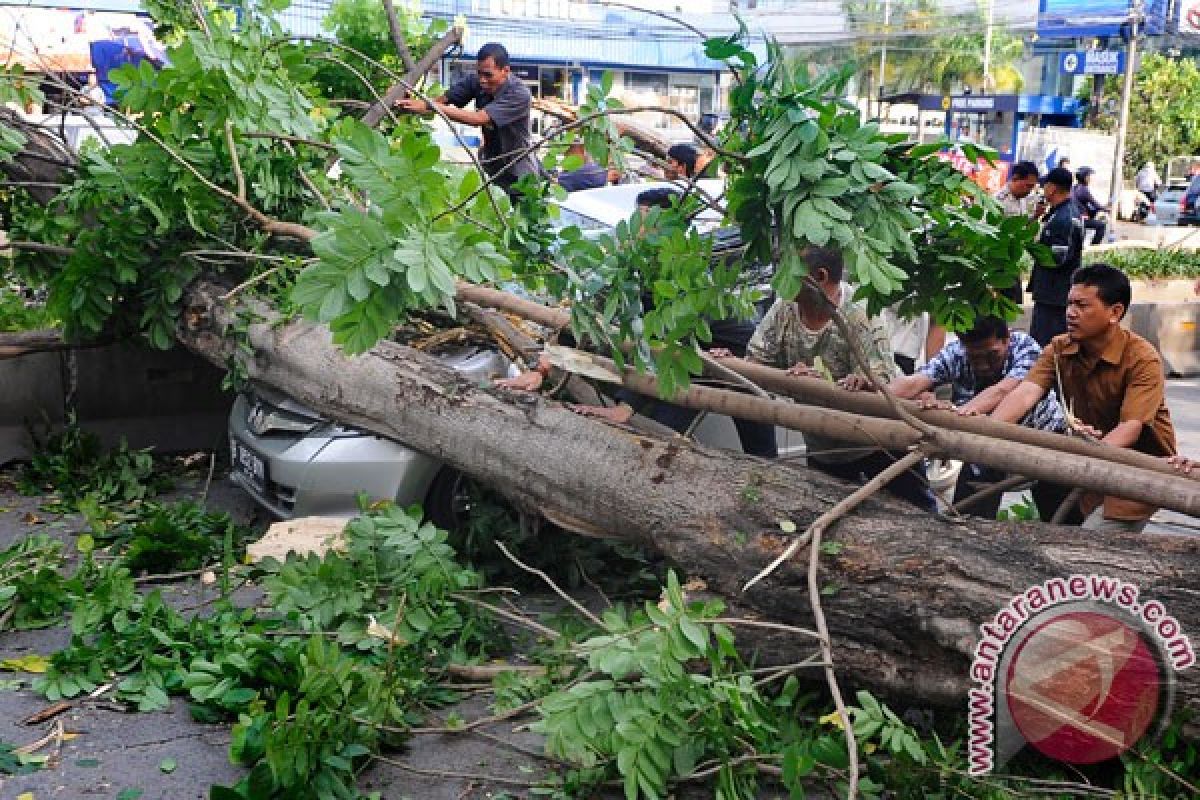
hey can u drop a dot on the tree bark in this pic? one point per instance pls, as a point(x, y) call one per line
point(644, 139)
point(378, 111)
point(910, 589)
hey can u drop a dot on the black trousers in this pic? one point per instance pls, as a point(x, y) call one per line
point(1048, 321)
point(1097, 225)
point(1046, 496)
point(757, 438)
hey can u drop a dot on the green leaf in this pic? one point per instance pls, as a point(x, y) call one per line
point(167, 765)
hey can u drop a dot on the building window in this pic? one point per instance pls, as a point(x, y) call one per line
point(647, 82)
point(553, 83)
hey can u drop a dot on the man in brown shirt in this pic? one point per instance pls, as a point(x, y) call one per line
point(1112, 380)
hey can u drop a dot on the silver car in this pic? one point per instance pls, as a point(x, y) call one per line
point(296, 463)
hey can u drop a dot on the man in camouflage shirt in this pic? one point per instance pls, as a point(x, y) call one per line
point(794, 334)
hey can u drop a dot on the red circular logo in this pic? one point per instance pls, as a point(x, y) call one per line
point(1083, 687)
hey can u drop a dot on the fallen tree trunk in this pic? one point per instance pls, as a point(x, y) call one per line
point(644, 139)
point(910, 589)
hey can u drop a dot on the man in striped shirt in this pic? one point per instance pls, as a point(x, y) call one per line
point(982, 367)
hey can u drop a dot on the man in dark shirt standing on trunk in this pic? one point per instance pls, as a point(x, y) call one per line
point(502, 103)
point(1062, 232)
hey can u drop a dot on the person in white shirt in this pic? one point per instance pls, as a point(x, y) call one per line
point(1147, 181)
point(1016, 197)
point(914, 340)
point(92, 98)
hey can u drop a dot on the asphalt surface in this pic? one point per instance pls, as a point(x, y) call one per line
point(1183, 400)
point(108, 750)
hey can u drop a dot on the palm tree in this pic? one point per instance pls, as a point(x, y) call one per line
point(931, 50)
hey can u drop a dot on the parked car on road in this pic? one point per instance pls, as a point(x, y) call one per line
point(296, 463)
point(1170, 207)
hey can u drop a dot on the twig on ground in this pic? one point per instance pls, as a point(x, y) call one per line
point(55, 734)
point(48, 713)
point(212, 468)
point(518, 619)
point(553, 586)
point(170, 577)
point(470, 776)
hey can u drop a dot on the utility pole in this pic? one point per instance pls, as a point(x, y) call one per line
point(1136, 17)
point(987, 46)
point(887, 22)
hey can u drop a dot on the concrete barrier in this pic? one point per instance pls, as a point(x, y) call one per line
point(170, 400)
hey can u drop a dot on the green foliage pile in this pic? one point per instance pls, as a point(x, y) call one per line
point(159, 538)
point(74, 466)
point(1148, 264)
point(346, 653)
point(311, 684)
point(31, 585)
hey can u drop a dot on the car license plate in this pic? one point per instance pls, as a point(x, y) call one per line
point(248, 463)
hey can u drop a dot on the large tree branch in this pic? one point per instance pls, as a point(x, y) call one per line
point(399, 91)
point(398, 36)
point(820, 393)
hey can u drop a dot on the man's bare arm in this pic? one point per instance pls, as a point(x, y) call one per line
point(1124, 435)
point(452, 112)
point(1019, 401)
point(907, 387)
point(986, 401)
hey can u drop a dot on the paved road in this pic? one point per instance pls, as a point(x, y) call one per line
point(1183, 398)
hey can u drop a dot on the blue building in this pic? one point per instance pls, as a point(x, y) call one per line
point(558, 47)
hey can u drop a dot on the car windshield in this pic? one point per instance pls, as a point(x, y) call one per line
point(567, 218)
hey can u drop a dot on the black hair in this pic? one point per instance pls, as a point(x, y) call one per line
point(1060, 177)
point(496, 52)
point(661, 198)
point(828, 258)
point(1112, 285)
point(1024, 169)
point(685, 154)
point(985, 328)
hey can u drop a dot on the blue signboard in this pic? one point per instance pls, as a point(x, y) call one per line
point(968, 103)
point(1092, 62)
point(1069, 19)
